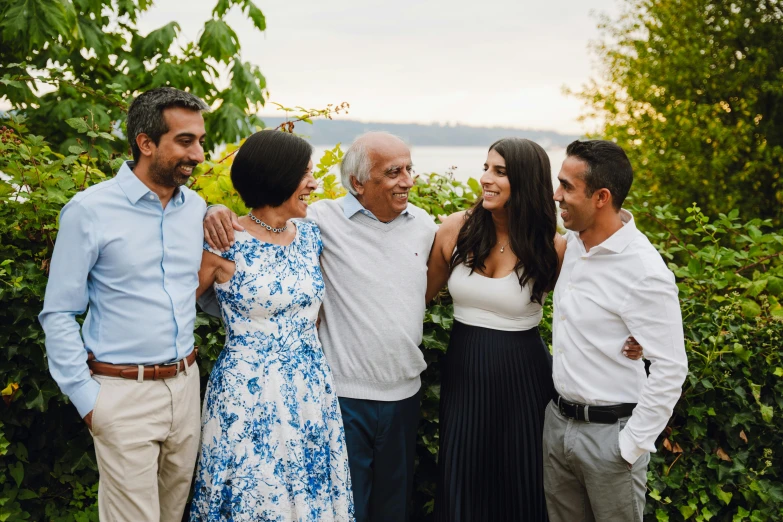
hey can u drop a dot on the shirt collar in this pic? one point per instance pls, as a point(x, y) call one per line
point(351, 206)
point(135, 189)
point(617, 242)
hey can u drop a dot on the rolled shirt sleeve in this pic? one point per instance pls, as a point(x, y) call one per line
point(652, 314)
point(75, 253)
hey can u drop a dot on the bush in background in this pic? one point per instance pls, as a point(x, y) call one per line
point(720, 458)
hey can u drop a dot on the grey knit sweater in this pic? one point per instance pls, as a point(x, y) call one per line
point(371, 320)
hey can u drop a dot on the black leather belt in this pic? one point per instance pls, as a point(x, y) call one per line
point(587, 413)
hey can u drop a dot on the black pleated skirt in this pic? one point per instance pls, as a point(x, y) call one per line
point(494, 388)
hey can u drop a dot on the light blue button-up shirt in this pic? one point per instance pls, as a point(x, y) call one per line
point(134, 267)
point(351, 206)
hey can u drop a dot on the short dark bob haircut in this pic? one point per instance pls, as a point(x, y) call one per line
point(269, 167)
point(607, 167)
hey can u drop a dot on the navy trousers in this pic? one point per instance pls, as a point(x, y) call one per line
point(381, 441)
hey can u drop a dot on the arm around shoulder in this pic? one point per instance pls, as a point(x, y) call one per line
point(560, 246)
point(219, 225)
point(439, 263)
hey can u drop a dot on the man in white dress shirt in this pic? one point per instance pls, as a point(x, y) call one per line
point(607, 413)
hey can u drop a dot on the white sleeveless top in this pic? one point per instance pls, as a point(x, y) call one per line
point(500, 304)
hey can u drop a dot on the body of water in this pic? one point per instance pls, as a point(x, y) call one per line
point(464, 162)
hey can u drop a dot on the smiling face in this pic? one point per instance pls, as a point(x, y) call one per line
point(385, 194)
point(576, 208)
point(296, 205)
point(495, 183)
point(179, 150)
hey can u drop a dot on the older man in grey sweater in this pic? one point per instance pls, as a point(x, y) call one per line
point(374, 261)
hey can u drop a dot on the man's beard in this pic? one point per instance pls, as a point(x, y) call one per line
point(168, 176)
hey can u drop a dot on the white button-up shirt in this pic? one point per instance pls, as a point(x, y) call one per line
point(619, 288)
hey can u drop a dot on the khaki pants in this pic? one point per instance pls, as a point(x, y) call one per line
point(146, 437)
point(585, 478)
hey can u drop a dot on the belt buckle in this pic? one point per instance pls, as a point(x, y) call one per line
point(175, 363)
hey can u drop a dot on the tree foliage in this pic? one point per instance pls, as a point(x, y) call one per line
point(719, 459)
point(693, 91)
point(59, 59)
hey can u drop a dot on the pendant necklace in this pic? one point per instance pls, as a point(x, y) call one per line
point(271, 229)
point(503, 248)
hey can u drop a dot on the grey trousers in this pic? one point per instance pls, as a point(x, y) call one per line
point(585, 478)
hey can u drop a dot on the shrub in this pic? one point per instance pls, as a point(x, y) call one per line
point(720, 458)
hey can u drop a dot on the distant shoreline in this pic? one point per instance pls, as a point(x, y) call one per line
point(330, 132)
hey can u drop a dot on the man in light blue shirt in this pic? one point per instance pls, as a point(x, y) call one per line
point(128, 252)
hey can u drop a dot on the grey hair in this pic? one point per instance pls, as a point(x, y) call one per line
point(356, 161)
point(145, 115)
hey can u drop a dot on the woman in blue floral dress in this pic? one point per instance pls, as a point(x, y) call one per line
point(273, 446)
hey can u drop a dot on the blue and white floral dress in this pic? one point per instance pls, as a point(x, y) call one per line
point(273, 445)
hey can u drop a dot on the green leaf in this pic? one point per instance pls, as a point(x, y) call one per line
point(158, 41)
point(35, 22)
point(741, 352)
point(767, 413)
point(741, 514)
point(775, 285)
point(12, 83)
point(221, 8)
point(245, 82)
point(695, 267)
point(79, 124)
point(255, 14)
point(687, 511)
point(475, 186)
point(775, 309)
point(750, 309)
point(218, 41)
point(26, 494)
point(17, 472)
point(756, 287)
point(723, 496)
point(84, 461)
point(94, 36)
point(755, 390)
point(36, 402)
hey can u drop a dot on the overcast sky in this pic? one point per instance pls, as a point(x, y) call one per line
point(494, 62)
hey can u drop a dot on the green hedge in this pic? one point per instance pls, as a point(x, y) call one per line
point(720, 458)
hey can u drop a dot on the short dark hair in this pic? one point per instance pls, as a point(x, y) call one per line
point(145, 115)
point(607, 167)
point(269, 167)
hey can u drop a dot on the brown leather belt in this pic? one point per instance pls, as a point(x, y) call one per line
point(130, 371)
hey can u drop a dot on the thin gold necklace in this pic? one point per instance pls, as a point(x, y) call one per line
point(503, 248)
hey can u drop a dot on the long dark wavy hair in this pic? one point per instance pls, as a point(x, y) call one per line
point(532, 219)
